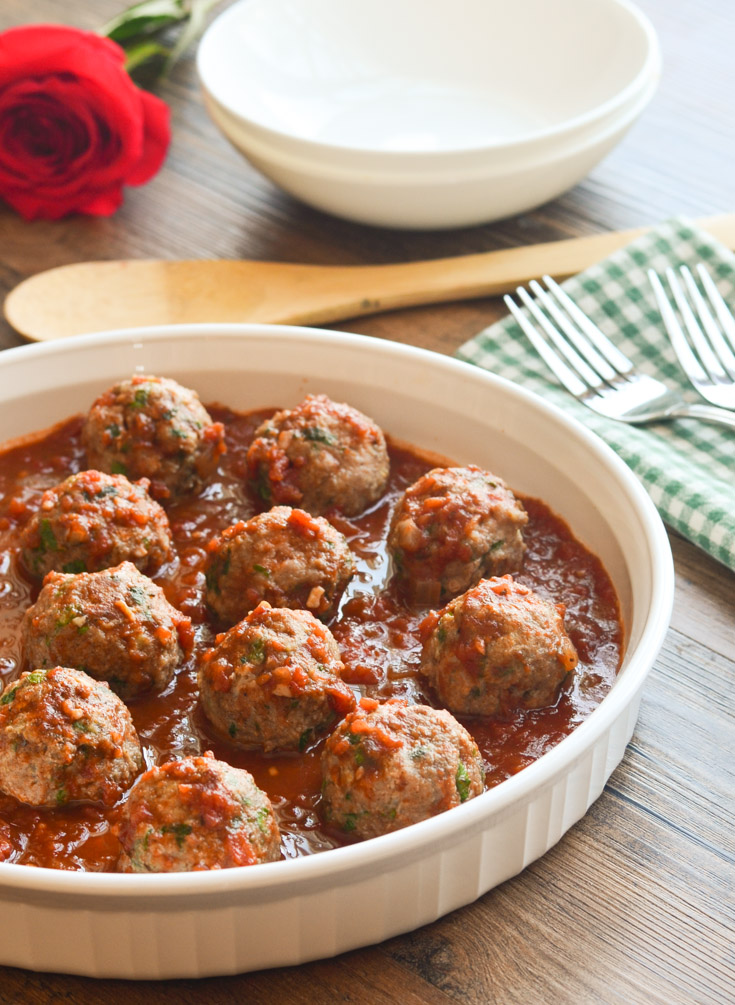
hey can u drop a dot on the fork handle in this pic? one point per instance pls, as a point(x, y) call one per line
point(708, 413)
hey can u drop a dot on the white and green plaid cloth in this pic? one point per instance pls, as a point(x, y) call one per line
point(687, 466)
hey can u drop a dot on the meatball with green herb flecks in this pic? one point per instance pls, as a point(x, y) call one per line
point(196, 813)
point(65, 737)
point(497, 648)
point(320, 455)
point(152, 427)
point(116, 625)
point(92, 521)
point(451, 527)
point(273, 681)
point(284, 556)
point(390, 765)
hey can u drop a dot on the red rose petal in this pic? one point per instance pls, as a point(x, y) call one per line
point(73, 127)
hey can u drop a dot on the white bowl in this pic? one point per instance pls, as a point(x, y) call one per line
point(419, 87)
point(228, 921)
point(439, 196)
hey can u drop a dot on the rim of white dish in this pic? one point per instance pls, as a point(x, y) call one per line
point(354, 859)
point(650, 69)
point(391, 174)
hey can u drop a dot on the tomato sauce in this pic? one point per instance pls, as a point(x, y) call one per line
point(376, 630)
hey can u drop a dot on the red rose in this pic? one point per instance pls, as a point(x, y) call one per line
point(73, 127)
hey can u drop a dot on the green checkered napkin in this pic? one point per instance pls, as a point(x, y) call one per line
point(687, 466)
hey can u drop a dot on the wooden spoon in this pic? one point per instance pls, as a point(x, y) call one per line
point(97, 296)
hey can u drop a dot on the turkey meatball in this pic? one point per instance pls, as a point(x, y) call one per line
point(321, 455)
point(387, 766)
point(284, 556)
point(92, 521)
point(497, 648)
point(65, 737)
point(152, 427)
point(273, 681)
point(452, 527)
point(196, 813)
point(115, 624)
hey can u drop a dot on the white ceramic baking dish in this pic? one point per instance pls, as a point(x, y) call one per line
point(197, 924)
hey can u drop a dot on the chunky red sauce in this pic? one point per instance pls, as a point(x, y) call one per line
point(378, 635)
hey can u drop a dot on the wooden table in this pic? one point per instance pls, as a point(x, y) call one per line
point(636, 903)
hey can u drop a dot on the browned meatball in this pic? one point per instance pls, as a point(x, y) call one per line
point(321, 455)
point(115, 624)
point(92, 521)
point(497, 648)
point(152, 427)
point(63, 737)
point(452, 527)
point(196, 813)
point(387, 766)
point(273, 681)
point(284, 556)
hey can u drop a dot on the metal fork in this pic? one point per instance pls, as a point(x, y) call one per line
point(593, 369)
point(707, 357)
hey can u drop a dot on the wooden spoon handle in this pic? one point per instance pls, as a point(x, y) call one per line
point(363, 289)
point(98, 296)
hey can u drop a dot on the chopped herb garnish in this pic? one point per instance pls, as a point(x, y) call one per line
point(118, 469)
point(262, 570)
point(260, 818)
point(140, 598)
point(305, 739)
point(67, 616)
point(232, 730)
point(180, 831)
point(318, 435)
point(48, 538)
point(36, 676)
point(256, 651)
point(8, 696)
point(140, 398)
point(61, 796)
point(462, 781)
point(262, 486)
point(74, 567)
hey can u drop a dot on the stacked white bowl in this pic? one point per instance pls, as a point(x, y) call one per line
point(427, 113)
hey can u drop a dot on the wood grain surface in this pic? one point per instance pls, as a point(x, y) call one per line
point(636, 903)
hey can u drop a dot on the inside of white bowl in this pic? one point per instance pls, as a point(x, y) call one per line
point(423, 75)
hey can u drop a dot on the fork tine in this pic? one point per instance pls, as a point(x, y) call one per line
point(567, 377)
point(618, 360)
point(717, 339)
point(703, 349)
point(716, 345)
point(567, 350)
point(580, 342)
point(689, 362)
point(724, 315)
